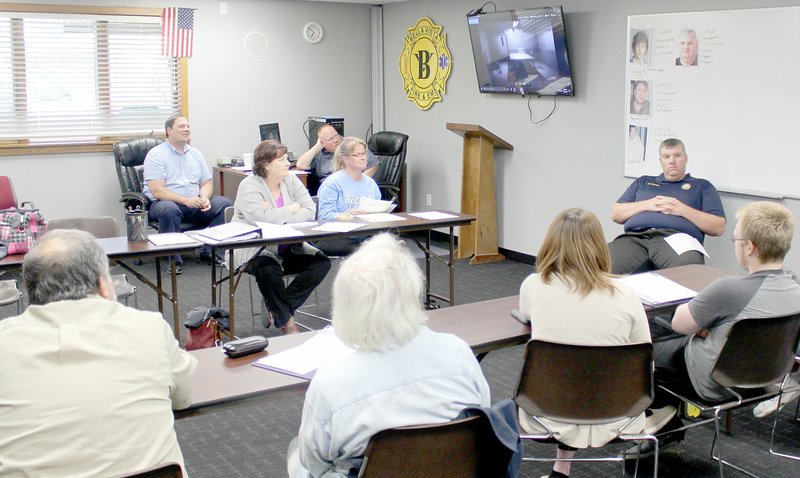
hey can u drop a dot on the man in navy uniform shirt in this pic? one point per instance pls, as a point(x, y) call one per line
point(656, 207)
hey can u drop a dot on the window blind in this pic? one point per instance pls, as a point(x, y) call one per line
point(72, 79)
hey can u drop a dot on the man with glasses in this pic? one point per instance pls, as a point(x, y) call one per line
point(656, 207)
point(761, 239)
point(319, 159)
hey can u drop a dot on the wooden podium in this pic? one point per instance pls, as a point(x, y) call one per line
point(479, 239)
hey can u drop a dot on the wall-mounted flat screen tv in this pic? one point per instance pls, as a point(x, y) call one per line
point(521, 52)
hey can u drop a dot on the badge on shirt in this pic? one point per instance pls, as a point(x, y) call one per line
point(686, 186)
point(655, 185)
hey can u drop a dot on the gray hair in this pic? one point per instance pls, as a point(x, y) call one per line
point(65, 264)
point(377, 296)
point(346, 148)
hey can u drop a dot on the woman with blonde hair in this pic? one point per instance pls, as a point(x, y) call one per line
point(341, 192)
point(573, 299)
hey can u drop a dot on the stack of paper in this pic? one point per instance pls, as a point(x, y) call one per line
point(655, 289)
point(375, 205)
point(170, 239)
point(231, 230)
point(302, 361)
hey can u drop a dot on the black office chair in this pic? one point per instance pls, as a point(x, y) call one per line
point(586, 385)
point(390, 148)
point(129, 158)
point(757, 354)
point(462, 448)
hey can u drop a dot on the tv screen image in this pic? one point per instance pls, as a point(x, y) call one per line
point(521, 52)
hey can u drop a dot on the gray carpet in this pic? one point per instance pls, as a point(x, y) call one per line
point(250, 439)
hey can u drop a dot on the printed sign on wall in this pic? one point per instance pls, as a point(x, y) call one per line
point(425, 63)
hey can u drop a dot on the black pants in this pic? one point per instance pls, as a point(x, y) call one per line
point(671, 371)
point(647, 250)
point(283, 300)
point(340, 247)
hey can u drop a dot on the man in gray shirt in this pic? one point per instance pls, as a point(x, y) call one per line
point(762, 237)
point(319, 158)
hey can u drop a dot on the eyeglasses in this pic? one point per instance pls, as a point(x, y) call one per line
point(358, 155)
point(734, 239)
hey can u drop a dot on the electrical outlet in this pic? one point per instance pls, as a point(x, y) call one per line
point(428, 199)
point(223, 8)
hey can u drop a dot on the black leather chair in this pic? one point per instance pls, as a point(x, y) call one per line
point(129, 158)
point(390, 148)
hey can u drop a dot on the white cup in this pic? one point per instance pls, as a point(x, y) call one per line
point(248, 160)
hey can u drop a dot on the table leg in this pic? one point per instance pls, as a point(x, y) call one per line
point(427, 252)
point(159, 283)
point(452, 266)
point(232, 283)
point(174, 299)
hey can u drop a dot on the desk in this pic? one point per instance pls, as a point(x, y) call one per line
point(485, 326)
point(410, 224)
point(226, 180)
point(118, 250)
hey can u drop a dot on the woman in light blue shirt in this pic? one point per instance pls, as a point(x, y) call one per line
point(342, 191)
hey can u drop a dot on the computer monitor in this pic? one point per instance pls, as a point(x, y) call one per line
point(270, 131)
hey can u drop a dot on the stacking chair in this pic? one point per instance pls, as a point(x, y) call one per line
point(757, 354)
point(262, 312)
point(462, 448)
point(586, 385)
point(100, 227)
point(390, 148)
point(10, 294)
point(168, 470)
point(786, 390)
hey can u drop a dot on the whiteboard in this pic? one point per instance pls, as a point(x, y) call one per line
point(737, 109)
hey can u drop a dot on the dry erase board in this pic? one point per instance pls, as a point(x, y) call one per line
point(724, 82)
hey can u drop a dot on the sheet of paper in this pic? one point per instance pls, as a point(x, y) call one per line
point(682, 242)
point(300, 225)
point(375, 205)
point(213, 242)
point(432, 215)
point(170, 239)
point(227, 230)
point(654, 289)
point(380, 217)
point(240, 168)
point(339, 226)
point(302, 361)
point(272, 231)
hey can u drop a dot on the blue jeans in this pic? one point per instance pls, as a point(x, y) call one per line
point(170, 215)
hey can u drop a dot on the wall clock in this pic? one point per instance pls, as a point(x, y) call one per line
point(313, 32)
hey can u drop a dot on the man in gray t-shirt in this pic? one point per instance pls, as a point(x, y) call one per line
point(762, 237)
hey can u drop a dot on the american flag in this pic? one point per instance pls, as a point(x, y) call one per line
point(176, 32)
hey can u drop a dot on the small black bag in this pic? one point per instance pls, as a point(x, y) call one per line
point(245, 346)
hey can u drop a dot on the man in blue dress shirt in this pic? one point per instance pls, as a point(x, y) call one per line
point(178, 182)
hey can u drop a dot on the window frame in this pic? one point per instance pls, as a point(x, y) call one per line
point(102, 144)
